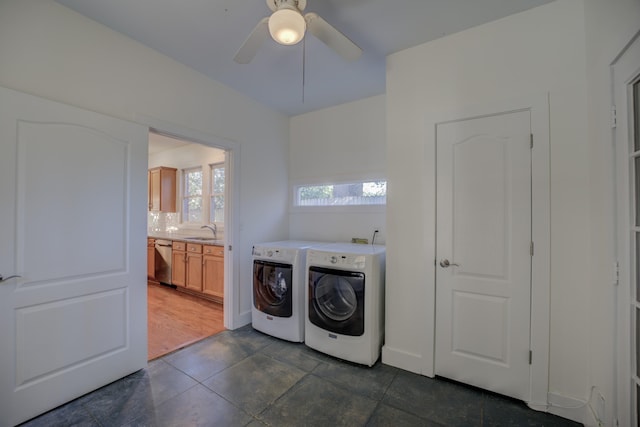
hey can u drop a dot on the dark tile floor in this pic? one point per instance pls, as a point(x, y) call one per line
point(245, 378)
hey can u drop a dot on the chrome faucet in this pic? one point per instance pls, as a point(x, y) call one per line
point(213, 229)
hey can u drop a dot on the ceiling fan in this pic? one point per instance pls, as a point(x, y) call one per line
point(287, 26)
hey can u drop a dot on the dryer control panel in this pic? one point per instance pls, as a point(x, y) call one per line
point(351, 261)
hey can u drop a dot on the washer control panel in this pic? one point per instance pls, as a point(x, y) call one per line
point(274, 253)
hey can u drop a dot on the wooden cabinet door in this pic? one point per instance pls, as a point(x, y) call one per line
point(151, 259)
point(213, 272)
point(194, 272)
point(194, 267)
point(178, 268)
point(162, 189)
point(154, 190)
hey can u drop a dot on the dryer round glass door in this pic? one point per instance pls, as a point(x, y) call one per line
point(336, 300)
point(272, 293)
point(335, 297)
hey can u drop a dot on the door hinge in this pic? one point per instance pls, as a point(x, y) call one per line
point(616, 273)
point(530, 357)
point(614, 117)
point(231, 247)
point(531, 249)
point(530, 140)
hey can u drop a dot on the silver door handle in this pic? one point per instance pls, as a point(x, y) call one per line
point(445, 263)
point(4, 279)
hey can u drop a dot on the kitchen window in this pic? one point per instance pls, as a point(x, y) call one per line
point(216, 205)
point(355, 193)
point(192, 195)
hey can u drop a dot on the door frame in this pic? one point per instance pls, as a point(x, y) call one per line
point(621, 134)
point(232, 315)
point(538, 106)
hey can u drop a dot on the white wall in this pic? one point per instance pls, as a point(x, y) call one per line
point(53, 52)
point(338, 144)
point(531, 53)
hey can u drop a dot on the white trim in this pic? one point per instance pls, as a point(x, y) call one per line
point(538, 106)
point(541, 261)
point(402, 359)
point(233, 317)
point(569, 408)
point(624, 68)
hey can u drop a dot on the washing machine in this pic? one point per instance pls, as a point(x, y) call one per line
point(278, 288)
point(344, 309)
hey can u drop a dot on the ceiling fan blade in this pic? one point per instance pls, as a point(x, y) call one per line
point(251, 45)
point(332, 37)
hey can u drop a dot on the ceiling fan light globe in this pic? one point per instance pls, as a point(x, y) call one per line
point(287, 26)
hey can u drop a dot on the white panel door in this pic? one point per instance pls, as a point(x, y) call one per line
point(483, 271)
point(73, 226)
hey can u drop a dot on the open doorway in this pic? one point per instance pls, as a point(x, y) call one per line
point(185, 242)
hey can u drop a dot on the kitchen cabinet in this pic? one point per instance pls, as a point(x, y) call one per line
point(186, 266)
point(179, 264)
point(213, 271)
point(194, 267)
point(151, 258)
point(162, 189)
point(198, 269)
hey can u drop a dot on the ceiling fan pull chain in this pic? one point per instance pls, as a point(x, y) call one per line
point(304, 55)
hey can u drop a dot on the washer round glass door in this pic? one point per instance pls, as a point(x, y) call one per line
point(336, 300)
point(272, 292)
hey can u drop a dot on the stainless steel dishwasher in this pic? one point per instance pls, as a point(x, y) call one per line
point(163, 261)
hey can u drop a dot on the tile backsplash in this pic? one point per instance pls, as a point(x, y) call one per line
point(165, 222)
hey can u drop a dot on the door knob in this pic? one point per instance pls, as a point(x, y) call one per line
point(445, 263)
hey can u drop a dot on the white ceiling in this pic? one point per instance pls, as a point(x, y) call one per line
point(158, 143)
point(205, 35)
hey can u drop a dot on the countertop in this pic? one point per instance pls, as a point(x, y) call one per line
point(185, 238)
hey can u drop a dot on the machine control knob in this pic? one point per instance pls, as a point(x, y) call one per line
point(269, 253)
point(333, 259)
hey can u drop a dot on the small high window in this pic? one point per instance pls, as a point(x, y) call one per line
point(344, 194)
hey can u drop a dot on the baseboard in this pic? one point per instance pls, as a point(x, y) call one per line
point(571, 408)
point(402, 359)
point(240, 319)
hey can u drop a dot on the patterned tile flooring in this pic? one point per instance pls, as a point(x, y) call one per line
point(246, 378)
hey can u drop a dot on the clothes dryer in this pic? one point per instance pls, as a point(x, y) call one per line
point(344, 309)
point(278, 288)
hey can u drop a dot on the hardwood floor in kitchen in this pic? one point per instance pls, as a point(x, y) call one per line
point(176, 319)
